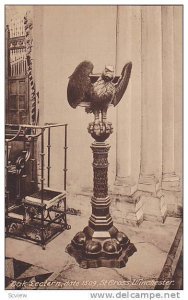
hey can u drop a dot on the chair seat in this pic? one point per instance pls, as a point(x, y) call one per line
point(16, 212)
point(50, 197)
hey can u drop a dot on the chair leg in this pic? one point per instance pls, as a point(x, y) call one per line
point(43, 242)
point(44, 247)
point(65, 208)
point(67, 226)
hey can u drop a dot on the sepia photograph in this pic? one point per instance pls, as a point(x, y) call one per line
point(93, 147)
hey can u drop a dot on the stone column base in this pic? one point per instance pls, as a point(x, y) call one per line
point(124, 186)
point(155, 207)
point(127, 209)
point(148, 183)
point(174, 203)
point(170, 182)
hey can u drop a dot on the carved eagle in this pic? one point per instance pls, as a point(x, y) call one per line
point(100, 93)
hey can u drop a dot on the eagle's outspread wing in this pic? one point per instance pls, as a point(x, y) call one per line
point(79, 86)
point(121, 85)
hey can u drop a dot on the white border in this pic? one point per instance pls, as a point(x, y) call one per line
point(59, 294)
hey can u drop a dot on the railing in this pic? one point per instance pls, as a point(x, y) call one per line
point(16, 48)
point(16, 27)
point(18, 66)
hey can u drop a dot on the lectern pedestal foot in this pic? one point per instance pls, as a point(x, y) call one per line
point(94, 252)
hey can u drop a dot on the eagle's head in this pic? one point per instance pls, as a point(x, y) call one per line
point(108, 73)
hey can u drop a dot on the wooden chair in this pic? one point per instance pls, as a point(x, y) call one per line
point(40, 215)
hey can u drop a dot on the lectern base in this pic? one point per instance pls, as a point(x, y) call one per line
point(92, 250)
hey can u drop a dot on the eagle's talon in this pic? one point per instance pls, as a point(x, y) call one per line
point(101, 127)
point(96, 122)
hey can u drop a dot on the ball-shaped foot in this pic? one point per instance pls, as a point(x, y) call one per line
point(112, 246)
point(93, 247)
point(122, 239)
point(79, 239)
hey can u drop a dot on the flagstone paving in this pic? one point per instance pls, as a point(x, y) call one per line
point(152, 240)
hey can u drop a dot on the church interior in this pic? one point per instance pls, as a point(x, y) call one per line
point(50, 189)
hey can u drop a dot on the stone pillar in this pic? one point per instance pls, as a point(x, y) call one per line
point(170, 180)
point(178, 99)
point(151, 99)
point(123, 55)
point(151, 139)
point(178, 88)
point(172, 107)
point(128, 115)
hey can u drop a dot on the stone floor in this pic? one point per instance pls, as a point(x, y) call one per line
point(152, 240)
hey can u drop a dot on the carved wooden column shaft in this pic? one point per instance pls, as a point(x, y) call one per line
point(100, 218)
point(100, 168)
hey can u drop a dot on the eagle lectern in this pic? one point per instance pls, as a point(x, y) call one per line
point(99, 244)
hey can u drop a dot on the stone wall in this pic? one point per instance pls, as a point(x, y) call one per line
point(146, 146)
